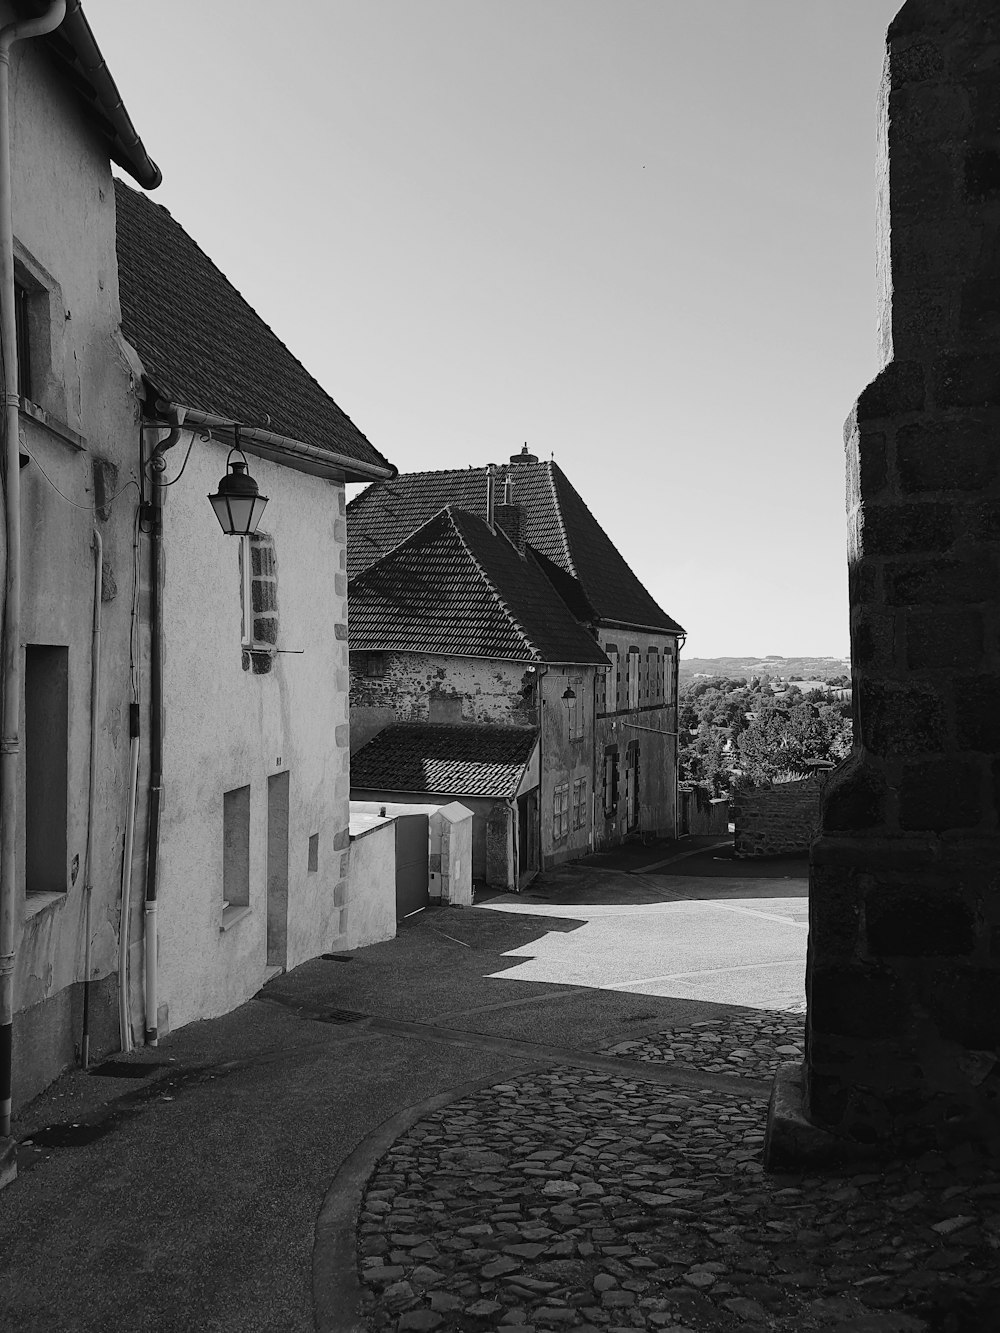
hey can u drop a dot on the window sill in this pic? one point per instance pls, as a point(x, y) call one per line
point(231, 915)
point(38, 902)
point(52, 424)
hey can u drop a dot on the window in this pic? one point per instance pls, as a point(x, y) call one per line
point(669, 676)
point(235, 855)
point(560, 812)
point(580, 803)
point(258, 601)
point(46, 770)
point(373, 664)
point(611, 780)
point(654, 694)
point(633, 678)
point(575, 707)
point(632, 804)
point(610, 682)
point(22, 328)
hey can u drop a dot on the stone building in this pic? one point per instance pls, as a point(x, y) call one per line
point(632, 766)
point(471, 680)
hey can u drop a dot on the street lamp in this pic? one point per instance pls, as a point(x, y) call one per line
point(238, 504)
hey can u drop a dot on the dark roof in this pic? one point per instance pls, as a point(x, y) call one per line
point(456, 588)
point(559, 526)
point(201, 344)
point(444, 760)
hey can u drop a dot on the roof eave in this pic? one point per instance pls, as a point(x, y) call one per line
point(126, 147)
point(282, 449)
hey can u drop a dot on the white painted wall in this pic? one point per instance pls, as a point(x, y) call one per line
point(225, 727)
point(372, 879)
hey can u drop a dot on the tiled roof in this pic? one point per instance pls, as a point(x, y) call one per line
point(456, 588)
point(444, 760)
point(559, 526)
point(203, 346)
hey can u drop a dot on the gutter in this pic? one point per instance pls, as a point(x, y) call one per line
point(131, 154)
point(283, 449)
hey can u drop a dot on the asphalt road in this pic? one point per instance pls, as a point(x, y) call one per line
point(702, 927)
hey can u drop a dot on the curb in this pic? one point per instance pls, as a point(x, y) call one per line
point(336, 1287)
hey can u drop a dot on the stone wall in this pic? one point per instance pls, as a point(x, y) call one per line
point(903, 978)
point(701, 815)
point(773, 820)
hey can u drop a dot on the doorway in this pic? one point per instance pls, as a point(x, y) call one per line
point(46, 767)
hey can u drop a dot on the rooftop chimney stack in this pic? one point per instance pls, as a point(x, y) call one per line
point(524, 456)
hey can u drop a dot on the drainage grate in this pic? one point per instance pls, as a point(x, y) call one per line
point(124, 1069)
point(342, 1016)
point(336, 958)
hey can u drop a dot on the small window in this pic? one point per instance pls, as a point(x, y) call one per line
point(258, 601)
point(580, 803)
point(373, 665)
point(22, 328)
point(610, 681)
point(313, 852)
point(235, 855)
point(610, 782)
point(560, 812)
point(633, 678)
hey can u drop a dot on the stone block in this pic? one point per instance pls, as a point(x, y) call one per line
point(922, 179)
point(265, 629)
point(940, 794)
point(983, 521)
point(918, 62)
point(855, 798)
point(945, 456)
point(862, 582)
point(965, 1003)
point(834, 910)
point(264, 594)
point(866, 455)
point(900, 720)
point(941, 639)
point(342, 735)
point(340, 631)
point(908, 529)
point(262, 561)
point(902, 921)
point(977, 713)
point(873, 640)
point(981, 174)
point(792, 1143)
point(861, 1001)
point(340, 585)
point(898, 388)
point(937, 582)
point(962, 379)
point(341, 839)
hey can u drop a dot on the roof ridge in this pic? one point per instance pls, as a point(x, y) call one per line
point(489, 582)
point(549, 466)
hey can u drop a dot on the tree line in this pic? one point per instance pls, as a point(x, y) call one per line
point(738, 733)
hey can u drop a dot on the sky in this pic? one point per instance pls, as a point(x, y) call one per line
point(638, 235)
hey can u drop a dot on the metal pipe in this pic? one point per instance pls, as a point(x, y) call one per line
point(281, 446)
point(10, 740)
point(155, 729)
point(124, 1022)
point(95, 701)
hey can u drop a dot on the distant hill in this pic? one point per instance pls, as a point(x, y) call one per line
point(792, 668)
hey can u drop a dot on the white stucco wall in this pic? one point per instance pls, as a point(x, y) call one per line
point(226, 727)
point(372, 879)
point(64, 224)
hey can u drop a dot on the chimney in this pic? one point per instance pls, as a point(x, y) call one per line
point(513, 523)
point(490, 495)
point(523, 456)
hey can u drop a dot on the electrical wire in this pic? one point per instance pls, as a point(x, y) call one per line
point(74, 503)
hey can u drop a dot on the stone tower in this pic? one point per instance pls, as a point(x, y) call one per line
point(903, 980)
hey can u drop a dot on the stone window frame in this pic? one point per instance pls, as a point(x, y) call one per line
point(258, 602)
point(41, 316)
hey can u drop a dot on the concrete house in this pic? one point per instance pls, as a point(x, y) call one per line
point(65, 778)
point(247, 859)
point(633, 744)
point(471, 681)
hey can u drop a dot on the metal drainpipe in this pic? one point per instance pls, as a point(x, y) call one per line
point(95, 703)
point(10, 743)
point(155, 725)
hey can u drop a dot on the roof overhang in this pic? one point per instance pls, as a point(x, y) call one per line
point(279, 448)
point(74, 50)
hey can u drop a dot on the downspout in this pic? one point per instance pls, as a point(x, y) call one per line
point(124, 1022)
point(10, 741)
point(155, 722)
point(95, 701)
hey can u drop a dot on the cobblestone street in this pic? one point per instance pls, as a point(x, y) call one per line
point(570, 1199)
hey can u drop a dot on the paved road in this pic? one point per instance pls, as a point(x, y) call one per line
point(699, 927)
point(548, 1107)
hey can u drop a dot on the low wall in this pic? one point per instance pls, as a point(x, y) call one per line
point(700, 814)
point(371, 879)
point(776, 819)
